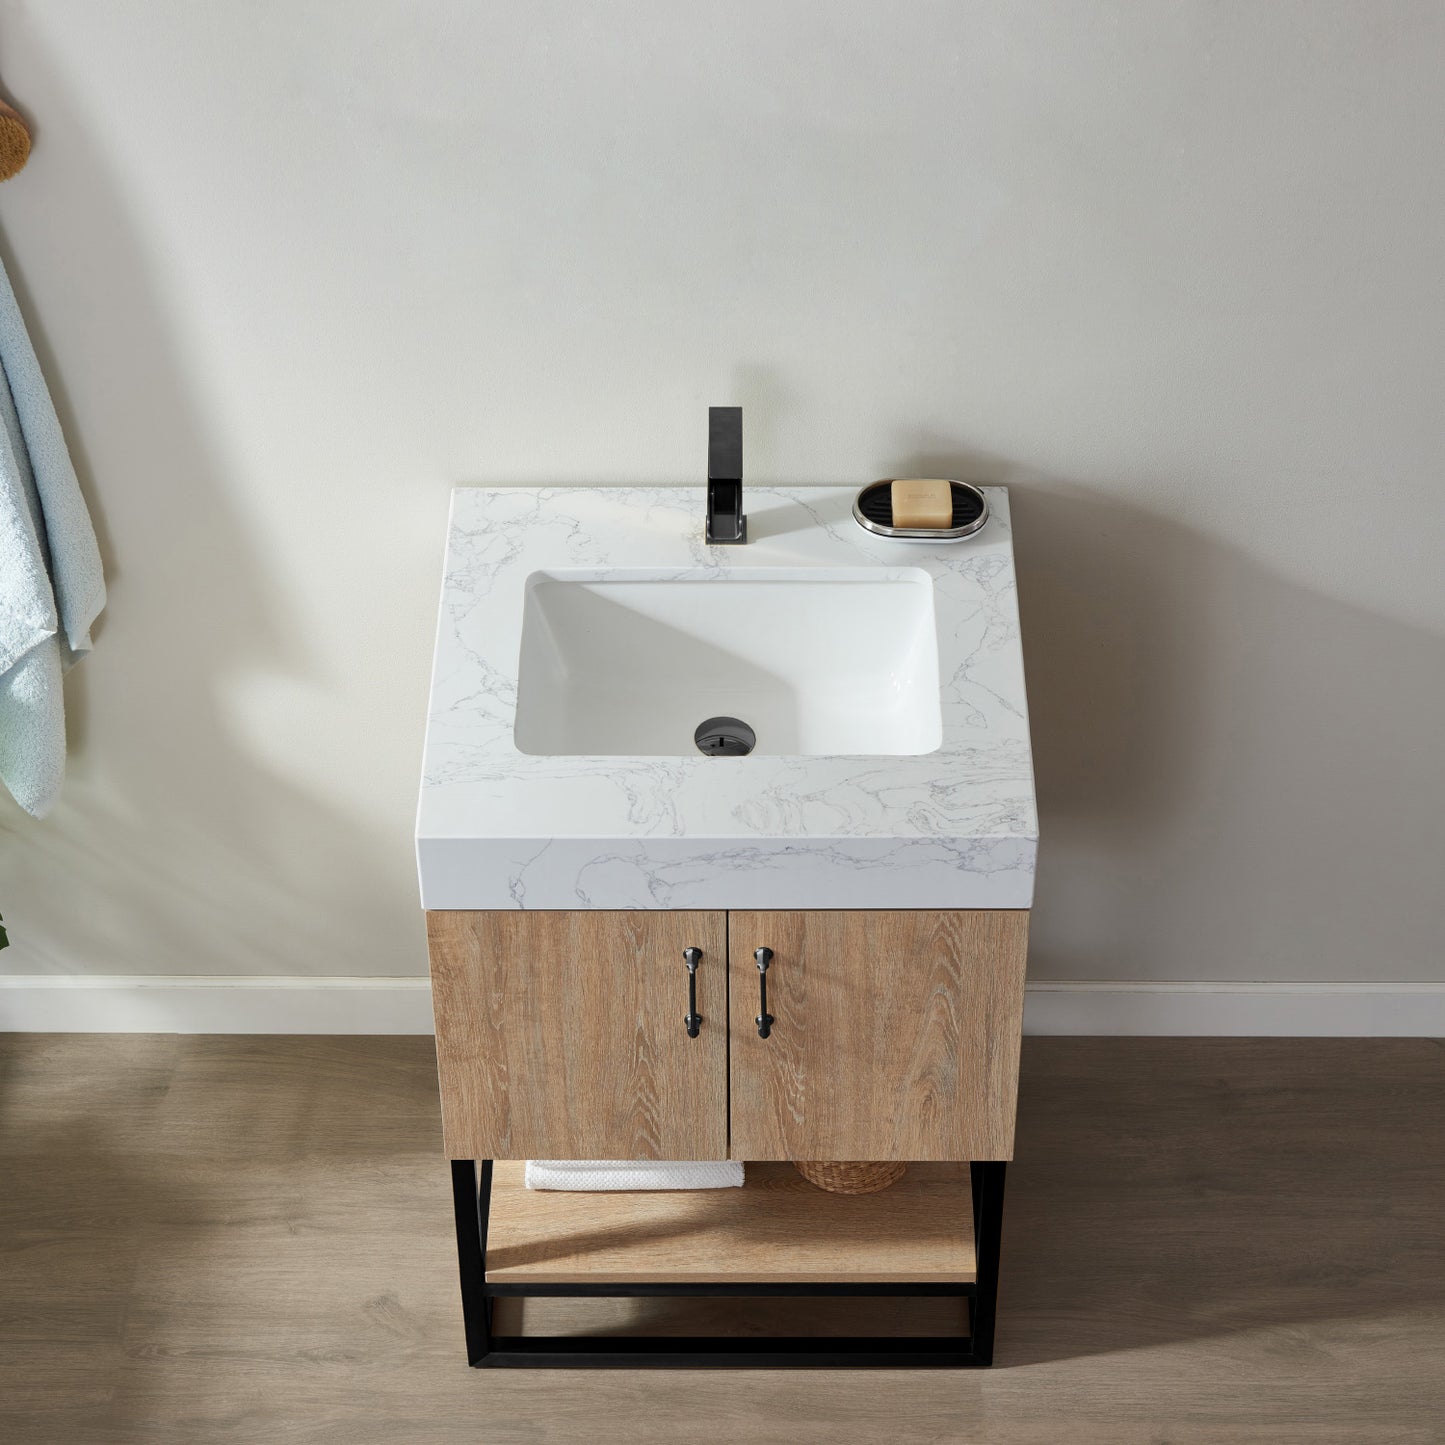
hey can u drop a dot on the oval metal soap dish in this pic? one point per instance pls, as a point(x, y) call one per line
point(873, 511)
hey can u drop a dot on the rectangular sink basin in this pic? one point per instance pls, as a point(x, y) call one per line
point(815, 661)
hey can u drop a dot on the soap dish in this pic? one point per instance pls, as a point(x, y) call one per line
point(873, 511)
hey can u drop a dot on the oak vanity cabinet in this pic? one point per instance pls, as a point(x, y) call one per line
point(561, 1035)
point(892, 1034)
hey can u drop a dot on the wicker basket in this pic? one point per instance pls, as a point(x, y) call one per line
point(850, 1176)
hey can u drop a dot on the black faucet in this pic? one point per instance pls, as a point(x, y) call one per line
point(725, 521)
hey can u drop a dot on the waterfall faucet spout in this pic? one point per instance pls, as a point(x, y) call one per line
point(725, 521)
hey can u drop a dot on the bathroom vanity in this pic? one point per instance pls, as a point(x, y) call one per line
point(643, 947)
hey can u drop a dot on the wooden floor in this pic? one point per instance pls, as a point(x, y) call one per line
point(249, 1239)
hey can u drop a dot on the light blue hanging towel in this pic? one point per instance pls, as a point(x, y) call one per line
point(51, 585)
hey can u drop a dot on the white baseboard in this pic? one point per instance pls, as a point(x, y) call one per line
point(75, 1003)
point(177, 1004)
point(1268, 1010)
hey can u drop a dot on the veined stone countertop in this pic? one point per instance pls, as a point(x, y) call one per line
point(499, 828)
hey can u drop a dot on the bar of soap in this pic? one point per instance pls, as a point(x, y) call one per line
point(918, 503)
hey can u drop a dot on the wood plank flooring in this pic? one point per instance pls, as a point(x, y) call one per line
point(249, 1240)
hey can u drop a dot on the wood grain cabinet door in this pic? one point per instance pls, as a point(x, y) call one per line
point(562, 1035)
point(895, 1035)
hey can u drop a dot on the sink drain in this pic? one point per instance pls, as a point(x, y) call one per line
point(725, 737)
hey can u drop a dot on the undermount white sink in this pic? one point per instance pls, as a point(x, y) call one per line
point(817, 661)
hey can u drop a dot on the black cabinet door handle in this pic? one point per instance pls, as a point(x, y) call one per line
point(693, 1020)
point(764, 1020)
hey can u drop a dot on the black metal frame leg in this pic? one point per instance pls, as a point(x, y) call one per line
point(987, 1180)
point(472, 1198)
point(472, 1204)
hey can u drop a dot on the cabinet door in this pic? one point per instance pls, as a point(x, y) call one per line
point(562, 1035)
point(895, 1035)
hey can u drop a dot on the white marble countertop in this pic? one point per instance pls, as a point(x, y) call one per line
point(499, 828)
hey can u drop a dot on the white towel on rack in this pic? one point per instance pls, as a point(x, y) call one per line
point(604, 1174)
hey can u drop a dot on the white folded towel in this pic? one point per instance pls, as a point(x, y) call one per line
point(601, 1174)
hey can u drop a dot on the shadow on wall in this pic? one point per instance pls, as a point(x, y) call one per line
point(172, 840)
point(1239, 777)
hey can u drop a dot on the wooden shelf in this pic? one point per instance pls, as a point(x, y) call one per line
point(776, 1228)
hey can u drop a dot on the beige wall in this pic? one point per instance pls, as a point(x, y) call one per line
point(1174, 271)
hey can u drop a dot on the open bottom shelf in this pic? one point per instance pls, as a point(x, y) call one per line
point(777, 1228)
point(777, 1236)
